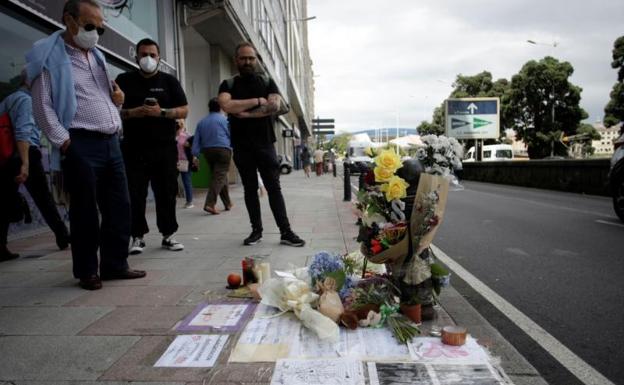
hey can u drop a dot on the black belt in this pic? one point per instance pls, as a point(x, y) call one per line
point(90, 134)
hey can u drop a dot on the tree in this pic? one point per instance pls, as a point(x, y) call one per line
point(614, 110)
point(340, 142)
point(542, 106)
point(426, 128)
point(588, 134)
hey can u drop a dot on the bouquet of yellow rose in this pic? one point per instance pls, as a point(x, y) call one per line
point(380, 208)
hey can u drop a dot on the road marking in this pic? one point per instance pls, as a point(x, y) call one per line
point(582, 370)
point(609, 223)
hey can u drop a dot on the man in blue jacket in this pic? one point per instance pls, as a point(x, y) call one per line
point(212, 138)
point(32, 174)
point(77, 106)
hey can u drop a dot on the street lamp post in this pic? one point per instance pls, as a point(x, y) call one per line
point(554, 44)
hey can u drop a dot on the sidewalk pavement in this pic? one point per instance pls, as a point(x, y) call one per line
point(53, 332)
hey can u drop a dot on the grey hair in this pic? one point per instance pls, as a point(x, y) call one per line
point(72, 7)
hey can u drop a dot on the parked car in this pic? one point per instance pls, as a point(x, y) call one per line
point(285, 164)
point(616, 177)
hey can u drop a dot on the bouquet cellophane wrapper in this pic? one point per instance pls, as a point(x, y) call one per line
point(295, 295)
point(427, 184)
point(392, 253)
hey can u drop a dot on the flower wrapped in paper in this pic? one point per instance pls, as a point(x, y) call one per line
point(288, 294)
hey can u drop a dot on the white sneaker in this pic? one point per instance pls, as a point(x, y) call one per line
point(138, 244)
point(171, 244)
point(189, 205)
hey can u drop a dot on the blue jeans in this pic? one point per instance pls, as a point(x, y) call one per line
point(188, 189)
point(95, 176)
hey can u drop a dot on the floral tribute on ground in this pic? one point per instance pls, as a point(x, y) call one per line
point(399, 211)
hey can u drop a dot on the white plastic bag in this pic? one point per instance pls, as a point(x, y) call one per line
point(294, 295)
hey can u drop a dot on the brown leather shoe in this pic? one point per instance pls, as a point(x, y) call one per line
point(91, 282)
point(125, 274)
point(211, 210)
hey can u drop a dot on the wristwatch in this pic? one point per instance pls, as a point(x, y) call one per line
point(163, 112)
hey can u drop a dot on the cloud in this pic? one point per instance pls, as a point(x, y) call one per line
point(379, 63)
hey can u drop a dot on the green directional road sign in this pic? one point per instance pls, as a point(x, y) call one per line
point(472, 118)
point(476, 122)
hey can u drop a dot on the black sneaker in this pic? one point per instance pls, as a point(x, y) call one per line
point(291, 239)
point(253, 238)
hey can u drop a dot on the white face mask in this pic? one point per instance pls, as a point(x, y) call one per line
point(86, 39)
point(148, 65)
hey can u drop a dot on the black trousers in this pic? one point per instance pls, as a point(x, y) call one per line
point(96, 179)
point(249, 161)
point(155, 164)
point(8, 192)
point(37, 186)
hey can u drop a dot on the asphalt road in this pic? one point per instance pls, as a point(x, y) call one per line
point(557, 257)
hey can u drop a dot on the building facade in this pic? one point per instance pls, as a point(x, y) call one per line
point(604, 146)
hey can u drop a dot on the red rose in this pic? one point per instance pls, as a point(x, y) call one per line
point(369, 178)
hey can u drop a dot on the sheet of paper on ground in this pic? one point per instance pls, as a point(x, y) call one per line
point(318, 372)
point(266, 339)
point(198, 351)
point(218, 316)
point(418, 373)
point(432, 350)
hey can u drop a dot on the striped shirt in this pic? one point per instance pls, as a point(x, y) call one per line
point(95, 110)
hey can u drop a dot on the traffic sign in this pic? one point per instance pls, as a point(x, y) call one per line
point(322, 126)
point(473, 118)
point(317, 120)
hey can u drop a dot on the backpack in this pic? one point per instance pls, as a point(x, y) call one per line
point(7, 139)
point(284, 106)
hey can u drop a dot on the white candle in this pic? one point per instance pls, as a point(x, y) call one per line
point(266, 271)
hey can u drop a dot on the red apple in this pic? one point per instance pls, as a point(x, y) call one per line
point(234, 280)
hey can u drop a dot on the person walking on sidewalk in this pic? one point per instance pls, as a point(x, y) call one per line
point(32, 174)
point(251, 99)
point(318, 161)
point(305, 160)
point(76, 106)
point(212, 138)
point(154, 100)
point(185, 159)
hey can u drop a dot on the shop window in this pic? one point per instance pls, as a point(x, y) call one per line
point(137, 20)
point(17, 38)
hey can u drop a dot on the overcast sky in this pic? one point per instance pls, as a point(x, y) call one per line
point(379, 62)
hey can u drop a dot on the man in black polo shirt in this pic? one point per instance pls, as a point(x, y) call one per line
point(154, 100)
point(251, 100)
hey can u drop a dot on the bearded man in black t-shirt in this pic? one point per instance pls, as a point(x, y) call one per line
point(251, 101)
point(154, 100)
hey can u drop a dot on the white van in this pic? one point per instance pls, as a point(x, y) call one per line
point(492, 152)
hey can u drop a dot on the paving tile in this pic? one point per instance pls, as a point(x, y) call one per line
point(39, 296)
point(60, 358)
point(40, 279)
point(33, 265)
point(132, 296)
point(56, 321)
point(89, 383)
point(138, 321)
point(138, 364)
point(248, 374)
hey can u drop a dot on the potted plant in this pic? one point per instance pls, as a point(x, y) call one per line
point(411, 308)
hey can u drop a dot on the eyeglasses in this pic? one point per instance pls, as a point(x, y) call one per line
point(90, 27)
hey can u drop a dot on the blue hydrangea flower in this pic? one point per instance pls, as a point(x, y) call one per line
point(322, 263)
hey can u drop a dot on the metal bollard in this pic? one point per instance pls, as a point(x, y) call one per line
point(347, 182)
